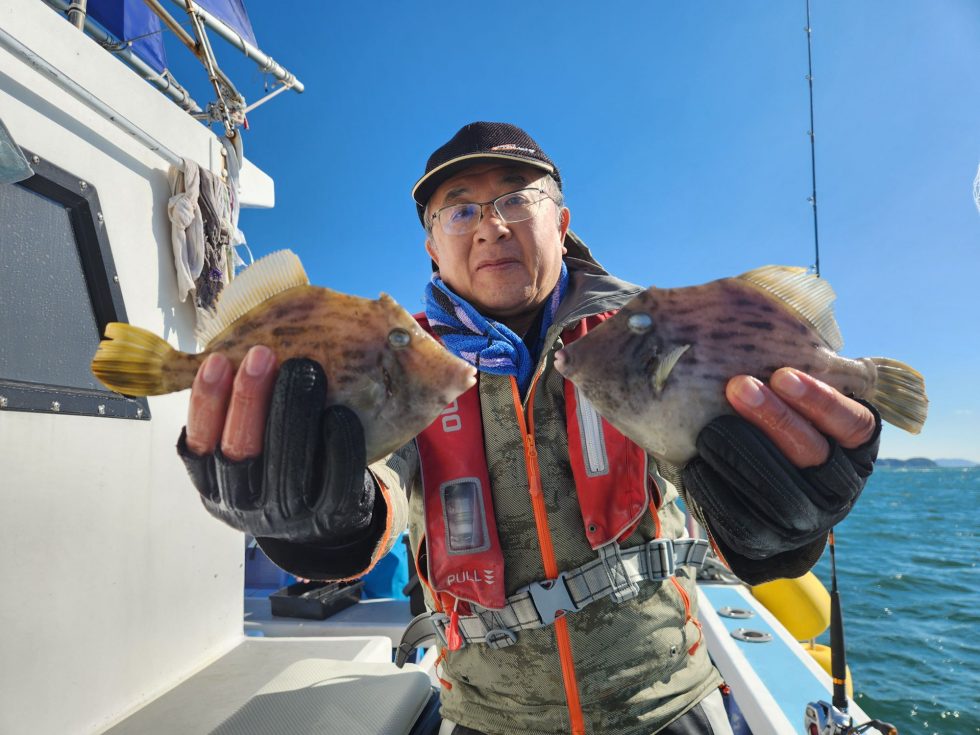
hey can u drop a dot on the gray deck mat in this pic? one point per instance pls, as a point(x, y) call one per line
point(290, 687)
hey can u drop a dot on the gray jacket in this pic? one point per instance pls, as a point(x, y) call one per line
point(637, 665)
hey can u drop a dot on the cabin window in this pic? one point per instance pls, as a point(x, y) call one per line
point(57, 293)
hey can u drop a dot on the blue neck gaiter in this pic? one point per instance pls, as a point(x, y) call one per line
point(486, 344)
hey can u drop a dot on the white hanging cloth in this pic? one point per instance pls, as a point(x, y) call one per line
point(233, 165)
point(187, 225)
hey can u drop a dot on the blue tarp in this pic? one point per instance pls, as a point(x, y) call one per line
point(233, 13)
point(132, 20)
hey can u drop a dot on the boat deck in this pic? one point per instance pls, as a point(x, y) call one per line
point(771, 676)
point(291, 685)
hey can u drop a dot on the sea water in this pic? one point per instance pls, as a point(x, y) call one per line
point(907, 571)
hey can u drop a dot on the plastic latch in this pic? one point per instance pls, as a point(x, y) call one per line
point(440, 621)
point(550, 598)
point(660, 560)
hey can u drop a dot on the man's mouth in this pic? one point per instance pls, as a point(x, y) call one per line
point(497, 263)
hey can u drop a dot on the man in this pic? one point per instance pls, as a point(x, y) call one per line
point(556, 596)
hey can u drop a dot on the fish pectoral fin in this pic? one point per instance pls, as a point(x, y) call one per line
point(266, 277)
point(665, 365)
point(806, 293)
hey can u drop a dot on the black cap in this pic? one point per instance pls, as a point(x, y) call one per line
point(479, 141)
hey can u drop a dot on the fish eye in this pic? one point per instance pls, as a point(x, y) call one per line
point(639, 323)
point(399, 338)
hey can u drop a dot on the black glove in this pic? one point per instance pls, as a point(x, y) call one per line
point(769, 518)
point(310, 486)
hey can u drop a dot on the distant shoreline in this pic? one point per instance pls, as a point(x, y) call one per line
point(923, 463)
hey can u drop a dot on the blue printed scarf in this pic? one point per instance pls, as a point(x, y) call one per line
point(486, 344)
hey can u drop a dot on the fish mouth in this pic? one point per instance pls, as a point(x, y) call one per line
point(465, 380)
point(563, 363)
point(449, 397)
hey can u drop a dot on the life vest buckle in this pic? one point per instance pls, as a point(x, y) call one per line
point(440, 622)
point(551, 597)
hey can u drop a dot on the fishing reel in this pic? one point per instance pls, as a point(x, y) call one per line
point(822, 718)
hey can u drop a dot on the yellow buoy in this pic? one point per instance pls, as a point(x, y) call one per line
point(821, 654)
point(801, 604)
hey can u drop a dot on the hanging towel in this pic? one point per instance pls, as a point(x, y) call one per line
point(187, 225)
point(215, 206)
point(233, 165)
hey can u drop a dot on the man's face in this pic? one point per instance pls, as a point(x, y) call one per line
point(505, 270)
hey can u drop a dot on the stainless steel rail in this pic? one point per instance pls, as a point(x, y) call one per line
point(166, 84)
point(76, 90)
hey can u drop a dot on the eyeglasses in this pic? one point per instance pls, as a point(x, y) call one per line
point(517, 206)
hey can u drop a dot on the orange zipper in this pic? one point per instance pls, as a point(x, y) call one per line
point(562, 638)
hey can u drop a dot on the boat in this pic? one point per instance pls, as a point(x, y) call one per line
point(125, 608)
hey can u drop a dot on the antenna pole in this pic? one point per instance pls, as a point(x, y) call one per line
point(813, 144)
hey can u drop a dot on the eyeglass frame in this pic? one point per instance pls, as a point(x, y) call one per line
point(481, 205)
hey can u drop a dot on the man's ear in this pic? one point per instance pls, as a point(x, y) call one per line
point(431, 249)
point(564, 220)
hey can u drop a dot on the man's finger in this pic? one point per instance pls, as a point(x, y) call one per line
point(830, 411)
point(244, 430)
point(209, 402)
point(793, 435)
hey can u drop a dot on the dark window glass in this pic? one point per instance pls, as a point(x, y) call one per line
point(58, 291)
point(48, 329)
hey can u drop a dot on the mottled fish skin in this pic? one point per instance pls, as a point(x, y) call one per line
point(733, 327)
point(377, 359)
point(395, 392)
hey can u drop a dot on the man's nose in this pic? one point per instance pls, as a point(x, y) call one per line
point(492, 226)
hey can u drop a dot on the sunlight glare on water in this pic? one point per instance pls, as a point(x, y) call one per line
point(907, 574)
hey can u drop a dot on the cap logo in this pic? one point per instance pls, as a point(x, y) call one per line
point(512, 147)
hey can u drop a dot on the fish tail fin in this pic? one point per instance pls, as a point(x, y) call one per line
point(900, 394)
point(136, 362)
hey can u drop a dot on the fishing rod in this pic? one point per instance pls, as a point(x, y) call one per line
point(838, 663)
point(832, 718)
point(813, 142)
point(823, 718)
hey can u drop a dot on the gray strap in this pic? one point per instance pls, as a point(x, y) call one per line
point(418, 632)
point(624, 587)
point(614, 573)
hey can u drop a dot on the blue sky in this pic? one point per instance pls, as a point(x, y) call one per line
point(680, 129)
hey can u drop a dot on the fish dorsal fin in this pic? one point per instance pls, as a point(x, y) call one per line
point(275, 273)
point(809, 295)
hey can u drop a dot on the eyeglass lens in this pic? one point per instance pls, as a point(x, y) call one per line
point(517, 206)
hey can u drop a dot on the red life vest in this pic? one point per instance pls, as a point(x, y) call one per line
point(464, 557)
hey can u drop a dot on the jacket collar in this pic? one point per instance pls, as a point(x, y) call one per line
point(591, 289)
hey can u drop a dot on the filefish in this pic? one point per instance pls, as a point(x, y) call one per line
point(378, 361)
point(657, 370)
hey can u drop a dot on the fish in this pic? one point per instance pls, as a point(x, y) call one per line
point(378, 361)
point(676, 348)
